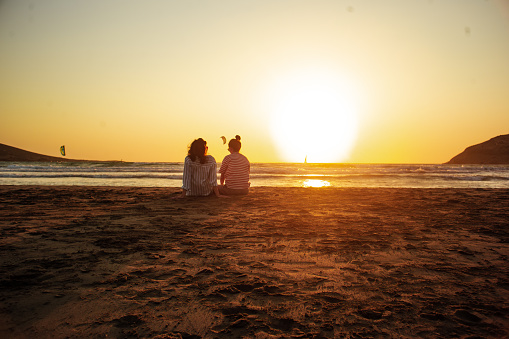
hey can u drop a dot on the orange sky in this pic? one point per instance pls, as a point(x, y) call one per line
point(364, 81)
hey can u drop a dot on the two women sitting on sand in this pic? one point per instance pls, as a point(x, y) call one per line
point(200, 171)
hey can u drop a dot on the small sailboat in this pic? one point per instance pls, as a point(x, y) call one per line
point(306, 160)
point(62, 150)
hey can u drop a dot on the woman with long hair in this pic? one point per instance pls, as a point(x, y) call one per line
point(200, 171)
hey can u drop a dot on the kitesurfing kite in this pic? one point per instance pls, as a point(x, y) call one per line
point(224, 139)
point(62, 150)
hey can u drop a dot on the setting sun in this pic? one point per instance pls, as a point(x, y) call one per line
point(314, 118)
point(316, 183)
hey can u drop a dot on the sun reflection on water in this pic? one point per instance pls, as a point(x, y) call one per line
point(315, 183)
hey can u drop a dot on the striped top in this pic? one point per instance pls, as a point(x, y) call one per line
point(236, 168)
point(199, 179)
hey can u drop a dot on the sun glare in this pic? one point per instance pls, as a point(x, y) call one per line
point(314, 118)
point(315, 183)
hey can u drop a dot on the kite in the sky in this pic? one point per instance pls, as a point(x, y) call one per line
point(62, 150)
point(224, 139)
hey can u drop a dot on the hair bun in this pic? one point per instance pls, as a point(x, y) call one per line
point(237, 137)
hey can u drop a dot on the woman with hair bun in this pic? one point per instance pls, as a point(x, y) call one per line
point(234, 171)
point(200, 171)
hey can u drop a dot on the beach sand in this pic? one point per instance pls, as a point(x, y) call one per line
point(281, 262)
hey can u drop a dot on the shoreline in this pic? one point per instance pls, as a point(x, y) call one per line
point(94, 261)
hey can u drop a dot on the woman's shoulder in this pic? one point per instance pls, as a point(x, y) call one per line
point(190, 161)
point(243, 157)
point(210, 159)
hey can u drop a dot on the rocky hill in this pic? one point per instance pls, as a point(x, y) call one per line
point(9, 153)
point(494, 151)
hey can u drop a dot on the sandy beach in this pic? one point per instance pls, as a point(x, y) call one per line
point(279, 263)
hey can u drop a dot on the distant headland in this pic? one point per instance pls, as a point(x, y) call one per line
point(494, 152)
point(9, 153)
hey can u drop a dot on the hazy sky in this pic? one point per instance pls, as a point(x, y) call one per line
point(404, 81)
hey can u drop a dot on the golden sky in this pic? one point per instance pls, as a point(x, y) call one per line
point(361, 81)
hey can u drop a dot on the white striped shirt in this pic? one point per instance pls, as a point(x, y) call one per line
point(199, 179)
point(235, 168)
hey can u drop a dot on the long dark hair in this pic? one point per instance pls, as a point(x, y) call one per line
point(198, 149)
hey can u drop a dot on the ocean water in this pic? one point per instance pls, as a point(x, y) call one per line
point(262, 174)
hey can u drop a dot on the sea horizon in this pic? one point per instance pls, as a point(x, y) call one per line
point(169, 174)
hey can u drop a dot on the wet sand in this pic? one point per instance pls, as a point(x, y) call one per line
point(280, 263)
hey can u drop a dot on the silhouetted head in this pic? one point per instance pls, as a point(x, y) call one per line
point(198, 149)
point(235, 144)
